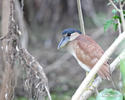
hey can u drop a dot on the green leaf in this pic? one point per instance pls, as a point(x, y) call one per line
point(122, 0)
point(115, 26)
point(92, 98)
point(123, 11)
point(109, 94)
point(108, 24)
point(116, 1)
point(117, 17)
point(114, 11)
point(122, 70)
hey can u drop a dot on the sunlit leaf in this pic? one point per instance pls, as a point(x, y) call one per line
point(114, 11)
point(122, 0)
point(109, 94)
point(92, 98)
point(116, 1)
point(122, 70)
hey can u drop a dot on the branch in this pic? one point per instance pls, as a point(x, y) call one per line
point(8, 45)
point(13, 51)
point(98, 80)
point(119, 27)
point(114, 5)
point(123, 4)
point(98, 65)
point(120, 11)
point(122, 15)
point(5, 16)
point(81, 16)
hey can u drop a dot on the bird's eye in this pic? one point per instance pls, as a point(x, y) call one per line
point(69, 34)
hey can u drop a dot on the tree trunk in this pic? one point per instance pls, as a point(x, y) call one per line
point(8, 82)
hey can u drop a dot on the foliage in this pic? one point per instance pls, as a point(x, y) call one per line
point(116, 17)
point(122, 70)
point(92, 98)
point(113, 21)
point(109, 94)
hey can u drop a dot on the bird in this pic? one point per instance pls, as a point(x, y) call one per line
point(85, 50)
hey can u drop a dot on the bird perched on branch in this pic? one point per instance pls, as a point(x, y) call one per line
point(85, 50)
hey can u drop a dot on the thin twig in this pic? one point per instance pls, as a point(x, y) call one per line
point(122, 15)
point(98, 65)
point(47, 90)
point(123, 4)
point(119, 27)
point(81, 16)
point(114, 5)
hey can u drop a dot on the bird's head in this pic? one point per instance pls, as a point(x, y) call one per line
point(68, 35)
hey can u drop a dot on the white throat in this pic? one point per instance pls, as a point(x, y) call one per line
point(73, 52)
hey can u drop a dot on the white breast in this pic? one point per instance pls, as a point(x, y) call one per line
point(85, 67)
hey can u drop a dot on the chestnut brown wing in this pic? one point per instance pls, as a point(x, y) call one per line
point(89, 52)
